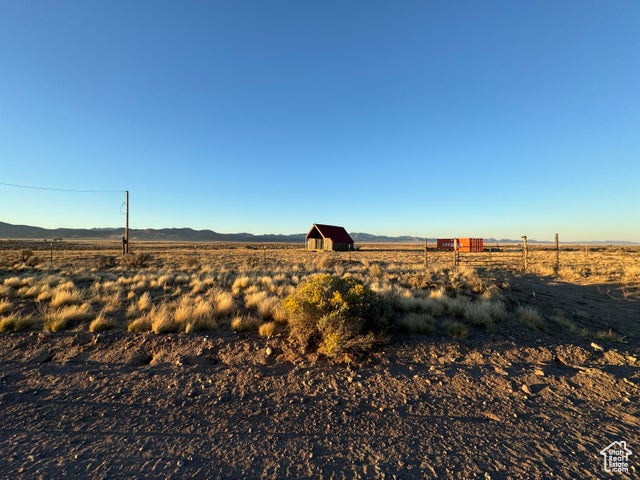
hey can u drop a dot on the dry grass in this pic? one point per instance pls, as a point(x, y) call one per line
point(253, 298)
point(267, 329)
point(224, 303)
point(245, 323)
point(195, 315)
point(421, 323)
point(144, 302)
point(66, 296)
point(235, 286)
point(529, 316)
point(456, 329)
point(101, 324)
point(239, 284)
point(14, 282)
point(162, 319)
point(5, 306)
point(65, 318)
point(485, 313)
point(140, 325)
point(18, 323)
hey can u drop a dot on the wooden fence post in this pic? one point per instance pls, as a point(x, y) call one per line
point(456, 254)
point(425, 253)
point(524, 253)
point(556, 266)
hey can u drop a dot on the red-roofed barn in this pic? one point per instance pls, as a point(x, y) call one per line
point(328, 237)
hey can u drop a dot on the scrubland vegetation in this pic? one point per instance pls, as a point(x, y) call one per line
point(329, 303)
point(222, 349)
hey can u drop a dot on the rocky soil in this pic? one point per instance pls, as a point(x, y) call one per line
point(228, 406)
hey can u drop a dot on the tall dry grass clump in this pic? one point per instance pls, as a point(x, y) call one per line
point(223, 303)
point(484, 313)
point(16, 322)
point(65, 318)
point(66, 296)
point(252, 299)
point(5, 306)
point(162, 319)
point(420, 323)
point(240, 283)
point(14, 282)
point(245, 323)
point(140, 325)
point(102, 323)
point(529, 316)
point(144, 302)
point(195, 315)
point(268, 329)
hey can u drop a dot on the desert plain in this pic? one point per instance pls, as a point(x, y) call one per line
point(181, 361)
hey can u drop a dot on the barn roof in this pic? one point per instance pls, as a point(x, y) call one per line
point(335, 233)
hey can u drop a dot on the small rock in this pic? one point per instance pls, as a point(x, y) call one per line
point(559, 361)
point(596, 347)
point(140, 357)
point(193, 392)
point(491, 416)
point(501, 371)
point(268, 351)
point(42, 356)
point(631, 359)
point(539, 373)
point(525, 389)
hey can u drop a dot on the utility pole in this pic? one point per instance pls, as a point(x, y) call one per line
point(556, 266)
point(126, 227)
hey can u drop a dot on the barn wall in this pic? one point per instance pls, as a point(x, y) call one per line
point(314, 244)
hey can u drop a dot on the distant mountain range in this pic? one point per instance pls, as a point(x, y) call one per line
point(27, 232)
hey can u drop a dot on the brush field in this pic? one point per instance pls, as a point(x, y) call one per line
point(188, 361)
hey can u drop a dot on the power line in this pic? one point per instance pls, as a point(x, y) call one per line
point(33, 187)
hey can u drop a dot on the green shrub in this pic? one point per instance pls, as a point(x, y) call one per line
point(421, 323)
point(104, 262)
point(334, 315)
point(137, 260)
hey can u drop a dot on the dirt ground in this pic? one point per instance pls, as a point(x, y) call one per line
point(512, 404)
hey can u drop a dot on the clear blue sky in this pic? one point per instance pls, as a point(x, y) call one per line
point(439, 118)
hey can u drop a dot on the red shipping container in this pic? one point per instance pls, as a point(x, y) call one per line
point(444, 243)
point(461, 244)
